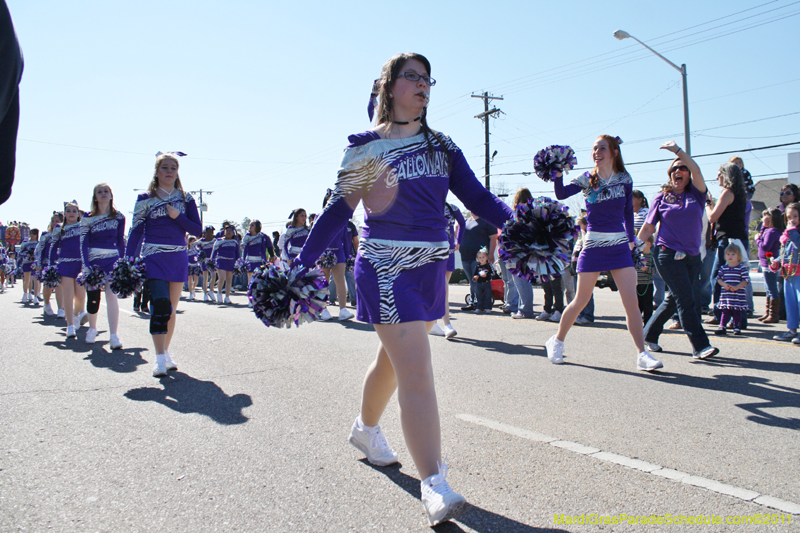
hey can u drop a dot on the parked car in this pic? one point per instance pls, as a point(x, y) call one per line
point(757, 278)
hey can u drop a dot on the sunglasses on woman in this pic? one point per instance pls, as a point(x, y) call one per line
point(678, 167)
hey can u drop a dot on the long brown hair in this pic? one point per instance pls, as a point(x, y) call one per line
point(389, 74)
point(618, 165)
point(112, 212)
point(154, 183)
point(522, 195)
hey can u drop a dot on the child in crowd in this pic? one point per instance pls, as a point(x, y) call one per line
point(733, 277)
point(11, 268)
point(644, 282)
point(483, 277)
point(788, 265)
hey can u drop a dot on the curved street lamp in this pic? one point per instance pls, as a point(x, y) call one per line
point(620, 34)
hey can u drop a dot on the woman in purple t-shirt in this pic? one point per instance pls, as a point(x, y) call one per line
point(679, 208)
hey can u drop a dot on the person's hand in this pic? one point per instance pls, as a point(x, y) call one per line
point(631, 246)
point(670, 146)
point(457, 247)
point(172, 212)
point(474, 278)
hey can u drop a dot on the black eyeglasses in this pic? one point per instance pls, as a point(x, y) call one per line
point(413, 76)
point(679, 167)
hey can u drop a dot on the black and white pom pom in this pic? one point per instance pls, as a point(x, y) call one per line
point(35, 271)
point(240, 267)
point(549, 162)
point(127, 277)
point(290, 295)
point(327, 259)
point(211, 266)
point(639, 260)
point(201, 256)
point(92, 280)
point(50, 277)
point(350, 265)
point(195, 270)
point(536, 242)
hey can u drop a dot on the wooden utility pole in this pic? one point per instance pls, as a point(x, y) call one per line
point(485, 118)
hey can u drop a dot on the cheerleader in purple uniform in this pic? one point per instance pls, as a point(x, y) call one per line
point(256, 249)
point(454, 236)
point(195, 271)
point(608, 192)
point(225, 254)
point(402, 171)
point(67, 247)
point(3, 262)
point(43, 260)
point(293, 239)
point(161, 218)
point(337, 251)
point(102, 243)
point(204, 248)
point(27, 255)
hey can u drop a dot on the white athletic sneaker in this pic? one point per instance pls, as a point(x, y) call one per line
point(61, 314)
point(35, 299)
point(76, 322)
point(227, 300)
point(325, 315)
point(71, 332)
point(544, 315)
point(651, 347)
point(83, 317)
point(25, 298)
point(205, 297)
point(709, 351)
point(48, 311)
point(440, 502)
point(582, 321)
point(169, 364)
point(449, 332)
point(219, 297)
point(344, 315)
point(646, 362)
point(555, 317)
point(91, 335)
point(115, 343)
point(159, 367)
point(191, 296)
point(436, 330)
point(372, 443)
point(555, 350)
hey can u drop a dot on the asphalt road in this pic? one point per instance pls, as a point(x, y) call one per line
point(251, 433)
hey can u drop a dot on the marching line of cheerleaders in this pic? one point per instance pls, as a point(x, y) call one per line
point(403, 258)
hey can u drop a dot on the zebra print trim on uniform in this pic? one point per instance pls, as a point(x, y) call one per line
point(389, 262)
point(149, 249)
point(597, 239)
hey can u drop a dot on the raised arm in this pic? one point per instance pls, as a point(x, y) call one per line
point(697, 176)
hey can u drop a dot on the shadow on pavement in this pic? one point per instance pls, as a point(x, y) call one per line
point(501, 347)
point(773, 396)
point(185, 394)
point(121, 361)
point(474, 517)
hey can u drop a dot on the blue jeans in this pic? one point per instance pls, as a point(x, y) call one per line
point(683, 279)
point(791, 296)
point(659, 288)
point(771, 279)
point(525, 291)
point(350, 280)
point(705, 289)
point(510, 296)
point(469, 270)
point(483, 295)
point(588, 311)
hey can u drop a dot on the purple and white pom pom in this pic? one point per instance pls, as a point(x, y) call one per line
point(127, 277)
point(50, 277)
point(195, 270)
point(293, 294)
point(201, 256)
point(92, 280)
point(639, 259)
point(549, 162)
point(211, 266)
point(350, 265)
point(327, 259)
point(35, 270)
point(536, 243)
point(240, 267)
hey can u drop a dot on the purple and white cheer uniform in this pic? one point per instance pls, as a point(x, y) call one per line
point(402, 255)
point(292, 242)
point(163, 239)
point(42, 252)
point(255, 250)
point(192, 254)
point(225, 254)
point(206, 247)
point(65, 252)
point(102, 241)
point(27, 255)
point(609, 217)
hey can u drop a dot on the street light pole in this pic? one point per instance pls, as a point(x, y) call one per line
point(620, 34)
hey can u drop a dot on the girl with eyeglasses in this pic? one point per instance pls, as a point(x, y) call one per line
point(677, 252)
point(402, 171)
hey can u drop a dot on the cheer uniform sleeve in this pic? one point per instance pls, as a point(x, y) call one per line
point(473, 195)
point(121, 234)
point(55, 244)
point(136, 232)
point(37, 253)
point(215, 250)
point(86, 225)
point(190, 222)
point(565, 191)
point(629, 229)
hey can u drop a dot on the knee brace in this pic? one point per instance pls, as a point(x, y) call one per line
point(92, 302)
point(161, 311)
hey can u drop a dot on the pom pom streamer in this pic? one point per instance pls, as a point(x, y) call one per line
point(211, 265)
point(639, 260)
point(282, 296)
point(350, 265)
point(92, 280)
point(195, 270)
point(327, 259)
point(552, 160)
point(50, 277)
point(240, 267)
point(127, 277)
point(201, 256)
point(536, 242)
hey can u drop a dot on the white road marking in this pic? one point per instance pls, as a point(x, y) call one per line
point(636, 464)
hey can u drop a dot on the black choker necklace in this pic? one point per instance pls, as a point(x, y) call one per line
point(403, 123)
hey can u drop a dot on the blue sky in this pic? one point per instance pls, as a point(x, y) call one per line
point(262, 95)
